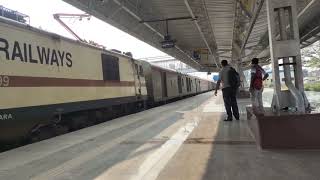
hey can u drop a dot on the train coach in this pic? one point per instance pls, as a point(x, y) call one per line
point(50, 83)
point(165, 85)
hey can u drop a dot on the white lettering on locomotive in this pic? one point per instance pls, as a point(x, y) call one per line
point(6, 116)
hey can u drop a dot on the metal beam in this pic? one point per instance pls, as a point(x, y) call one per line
point(252, 23)
point(249, 14)
point(170, 19)
point(312, 33)
point(143, 31)
point(150, 27)
point(235, 34)
point(211, 49)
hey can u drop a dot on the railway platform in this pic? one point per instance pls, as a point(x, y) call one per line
point(185, 140)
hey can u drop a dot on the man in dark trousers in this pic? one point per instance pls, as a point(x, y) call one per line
point(229, 93)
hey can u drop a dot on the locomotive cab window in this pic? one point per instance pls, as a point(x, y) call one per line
point(110, 68)
point(140, 70)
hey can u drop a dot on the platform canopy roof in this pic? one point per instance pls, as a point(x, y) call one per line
point(213, 29)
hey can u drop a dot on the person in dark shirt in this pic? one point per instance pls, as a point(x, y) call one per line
point(229, 93)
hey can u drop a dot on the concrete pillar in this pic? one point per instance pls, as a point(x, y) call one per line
point(244, 84)
point(236, 63)
point(285, 45)
point(239, 69)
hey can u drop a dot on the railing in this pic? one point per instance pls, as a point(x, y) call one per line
point(14, 15)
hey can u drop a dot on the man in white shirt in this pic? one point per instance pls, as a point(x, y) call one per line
point(228, 92)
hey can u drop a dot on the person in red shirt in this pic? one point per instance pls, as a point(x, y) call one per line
point(258, 75)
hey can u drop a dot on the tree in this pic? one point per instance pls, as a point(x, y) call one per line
point(311, 55)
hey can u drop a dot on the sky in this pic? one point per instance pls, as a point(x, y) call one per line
point(41, 16)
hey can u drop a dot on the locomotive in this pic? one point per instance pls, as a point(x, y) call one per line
point(50, 83)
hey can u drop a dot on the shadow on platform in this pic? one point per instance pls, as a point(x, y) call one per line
point(244, 160)
point(227, 151)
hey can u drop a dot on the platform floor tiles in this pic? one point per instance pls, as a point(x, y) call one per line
point(184, 140)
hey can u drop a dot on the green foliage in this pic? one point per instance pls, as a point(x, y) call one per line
point(313, 62)
point(311, 55)
point(312, 87)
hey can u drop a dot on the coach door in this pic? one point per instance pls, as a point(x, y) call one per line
point(138, 78)
point(164, 84)
point(195, 82)
point(180, 84)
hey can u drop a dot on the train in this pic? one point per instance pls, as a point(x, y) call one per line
point(50, 84)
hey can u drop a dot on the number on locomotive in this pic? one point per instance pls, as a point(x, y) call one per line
point(4, 81)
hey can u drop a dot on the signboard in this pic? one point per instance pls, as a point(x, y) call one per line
point(202, 55)
point(215, 77)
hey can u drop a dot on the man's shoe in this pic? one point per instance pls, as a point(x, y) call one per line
point(237, 119)
point(227, 120)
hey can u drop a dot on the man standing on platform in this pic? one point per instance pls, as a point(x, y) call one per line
point(227, 76)
point(258, 75)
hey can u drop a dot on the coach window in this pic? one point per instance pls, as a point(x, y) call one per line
point(110, 68)
point(136, 68)
point(187, 82)
point(140, 70)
